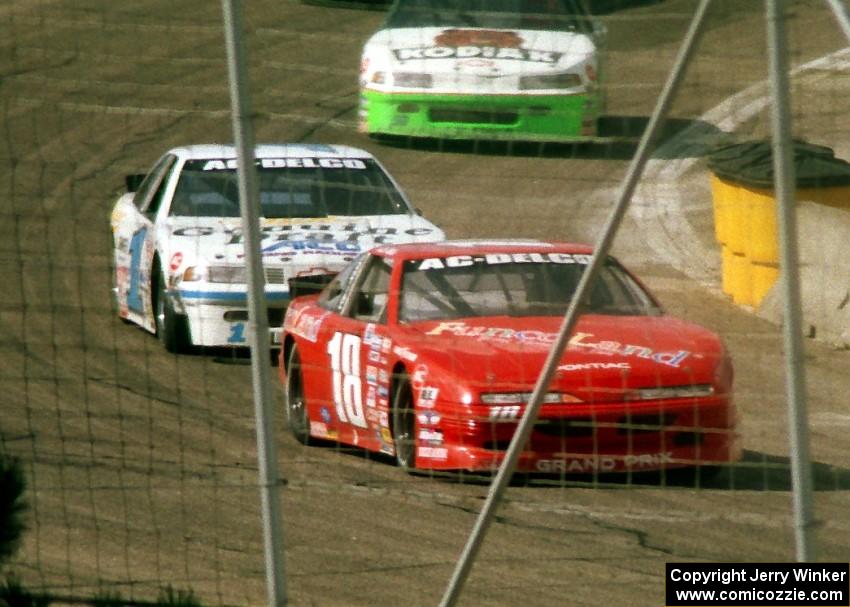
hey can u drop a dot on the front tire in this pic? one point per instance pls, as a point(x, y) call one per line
point(404, 424)
point(296, 406)
point(171, 328)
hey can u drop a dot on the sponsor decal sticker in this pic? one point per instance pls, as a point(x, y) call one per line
point(304, 325)
point(428, 418)
point(579, 341)
point(592, 463)
point(461, 261)
point(370, 337)
point(175, 262)
point(504, 412)
point(438, 453)
point(431, 437)
point(476, 51)
point(478, 37)
point(229, 164)
point(321, 430)
point(405, 353)
point(325, 414)
point(420, 373)
point(428, 396)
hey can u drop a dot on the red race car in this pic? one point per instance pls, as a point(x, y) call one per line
point(429, 353)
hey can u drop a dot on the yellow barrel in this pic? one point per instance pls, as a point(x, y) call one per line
point(762, 242)
point(738, 220)
point(723, 196)
point(763, 276)
point(737, 276)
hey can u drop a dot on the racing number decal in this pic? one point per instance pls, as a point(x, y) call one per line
point(237, 333)
point(137, 244)
point(344, 349)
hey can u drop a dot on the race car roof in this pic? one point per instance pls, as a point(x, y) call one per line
point(448, 248)
point(270, 150)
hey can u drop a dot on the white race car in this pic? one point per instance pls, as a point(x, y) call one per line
point(179, 261)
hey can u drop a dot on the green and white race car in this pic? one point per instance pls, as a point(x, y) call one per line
point(484, 69)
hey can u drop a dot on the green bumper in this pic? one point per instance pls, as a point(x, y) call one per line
point(529, 117)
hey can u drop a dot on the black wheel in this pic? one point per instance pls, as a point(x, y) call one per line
point(171, 328)
point(296, 406)
point(404, 424)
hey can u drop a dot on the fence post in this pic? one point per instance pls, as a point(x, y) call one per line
point(842, 14)
point(785, 183)
point(257, 310)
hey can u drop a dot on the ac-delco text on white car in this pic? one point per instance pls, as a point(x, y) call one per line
point(180, 269)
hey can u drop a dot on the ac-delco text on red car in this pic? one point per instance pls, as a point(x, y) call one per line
point(429, 353)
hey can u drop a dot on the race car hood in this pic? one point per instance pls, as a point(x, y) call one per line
point(488, 55)
point(609, 352)
point(321, 243)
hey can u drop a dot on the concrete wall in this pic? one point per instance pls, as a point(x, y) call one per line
point(824, 243)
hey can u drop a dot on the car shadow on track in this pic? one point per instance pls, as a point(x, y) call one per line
point(618, 140)
point(754, 472)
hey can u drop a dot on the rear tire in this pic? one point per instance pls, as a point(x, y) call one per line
point(296, 406)
point(172, 329)
point(404, 424)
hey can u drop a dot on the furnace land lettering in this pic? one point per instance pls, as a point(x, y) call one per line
point(727, 576)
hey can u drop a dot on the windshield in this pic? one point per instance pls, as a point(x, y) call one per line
point(515, 284)
point(289, 187)
point(550, 15)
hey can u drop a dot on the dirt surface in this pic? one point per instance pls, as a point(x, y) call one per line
point(141, 465)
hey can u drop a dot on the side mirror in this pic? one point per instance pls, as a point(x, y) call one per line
point(134, 181)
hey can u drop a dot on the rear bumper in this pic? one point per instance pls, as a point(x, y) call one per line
point(520, 117)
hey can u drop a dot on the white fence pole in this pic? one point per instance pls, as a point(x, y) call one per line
point(257, 309)
point(600, 253)
point(785, 182)
point(842, 15)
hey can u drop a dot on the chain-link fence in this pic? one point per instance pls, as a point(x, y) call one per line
point(140, 465)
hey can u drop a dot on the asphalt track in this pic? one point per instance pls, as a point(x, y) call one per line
point(141, 465)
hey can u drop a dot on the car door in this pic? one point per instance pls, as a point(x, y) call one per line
point(357, 369)
point(137, 246)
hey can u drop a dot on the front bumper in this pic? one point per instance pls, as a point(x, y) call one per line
point(220, 318)
point(585, 439)
point(554, 118)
